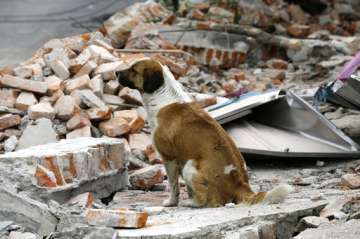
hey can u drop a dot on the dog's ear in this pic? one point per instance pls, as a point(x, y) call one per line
point(152, 80)
point(123, 80)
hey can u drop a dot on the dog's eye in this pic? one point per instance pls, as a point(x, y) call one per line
point(123, 80)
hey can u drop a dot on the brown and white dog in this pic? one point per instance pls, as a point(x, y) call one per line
point(193, 144)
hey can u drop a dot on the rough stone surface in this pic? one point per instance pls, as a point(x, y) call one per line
point(85, 162)
point(91, 100)
point(28, 213)
point(9, 120)
point(114, 127)
point(84, 200)
point(10, 144)
point(25, 100)
point(146, 177)
point(7, 97)
point(65, 107)
point(131, 96)
point(41, 110)
point(79, 132)
point(37, 133)
point(351, 180)
point(348, 230)
point(120, 218)
point(79, 83)
point(77, 121)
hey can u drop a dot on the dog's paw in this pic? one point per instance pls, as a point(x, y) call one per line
point(170, 202)
point(190, 203)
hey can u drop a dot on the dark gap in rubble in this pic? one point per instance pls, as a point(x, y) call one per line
point(107, 200)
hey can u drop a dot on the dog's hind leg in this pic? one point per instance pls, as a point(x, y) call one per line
point(172, 171)
point(197, 184)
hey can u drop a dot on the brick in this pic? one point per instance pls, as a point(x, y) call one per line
point(131, 96)
point(80, 132)
point(145, 178)
point(79, 83)
point(37, 73)
point(139, 141)
point(77, 63)
point(101, 53)
point(87, 69)
point(102, 43)
point(152, 155)
point(91, 100)
point(131, 116)
point(278, 64)
point(23, 72)
point(84, 200)
point(77, 121)
point(113, 99)
point(60, 69)
point(27, 85)
point(96, 114)
point(107, 70)
point(119, 218)
point(197, 15)
point(351, 181)
point(65, 107)
point(9, 120)
point(25, 100)
point(114, 127)
point(44, 177)
point(8, 97)
point(97, 85)
point(205, 100)
point(41, 110)
point(57, 54)
point(297, 30)
point(112, 87)
point(54, 83)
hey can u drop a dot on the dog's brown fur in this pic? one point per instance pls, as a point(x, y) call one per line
point(193, 144)
point(185, 132)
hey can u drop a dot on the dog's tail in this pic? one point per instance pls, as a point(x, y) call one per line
point(276, 195)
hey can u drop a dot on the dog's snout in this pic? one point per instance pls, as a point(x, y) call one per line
point(124, 81)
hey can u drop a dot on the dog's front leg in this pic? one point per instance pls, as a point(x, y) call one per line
point(172, 171)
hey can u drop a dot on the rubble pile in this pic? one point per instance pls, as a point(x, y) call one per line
point(76, 131)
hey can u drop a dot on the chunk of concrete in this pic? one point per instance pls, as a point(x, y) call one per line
point(30, 214)
point(76, 166)
point(38, 133)
point(25, 100)
point(41, 110)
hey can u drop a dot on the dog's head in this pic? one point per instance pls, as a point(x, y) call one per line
point(146, 76)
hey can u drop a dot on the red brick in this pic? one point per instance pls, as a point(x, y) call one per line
point(121, 218)
point(115, 127)
point(44, 177)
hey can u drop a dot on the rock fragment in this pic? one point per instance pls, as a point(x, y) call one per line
point(351, 181)
point(131, 96)
point(145, 178)
point(114, 127)
point(22, 84)
point(25, 100)
point(41, 110)
point(9, 120)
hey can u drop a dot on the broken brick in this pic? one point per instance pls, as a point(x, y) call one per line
point(114, 127)
point(79, 83)
point(77, 63)
point(119, 218)
point(97, 85)
point(41, 110)
point(113, 99)
point(351, 181)
point(54, 83)
point(23, 72)
point(80, 132)
point(91, 100)
point(8, 97)
point(44, 177)
point(96, 114)
point(131, 116)
point(112, 87)
point(60, 69)
point(131, 96)
point(9, 120)
point(65, 107)
point(278, 64)
point(22, 84)
point(77, 121)
point(25, 100)
point(107, 70)
point(86, 69)
point(139, 141)
point(145, 178)
point(297, 30)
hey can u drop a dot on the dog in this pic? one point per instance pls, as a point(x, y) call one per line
point(192, 144)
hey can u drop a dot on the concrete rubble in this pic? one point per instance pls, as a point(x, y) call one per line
point(77, 158)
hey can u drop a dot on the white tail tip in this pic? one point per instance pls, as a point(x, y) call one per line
point(278, 194)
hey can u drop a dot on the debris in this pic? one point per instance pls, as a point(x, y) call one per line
point(84, 200)
point(38, 133)
point(146, 177)
point(115, 127)
point(78, 121)
point(9, 120)
point(131, 96)
point(25, 100)
point(8, 97)
point(41, 110)
point(65, 107)
point(79, 132)
point(351, 181)
point(11, 143)
point(22, 84)
point(118, 218)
